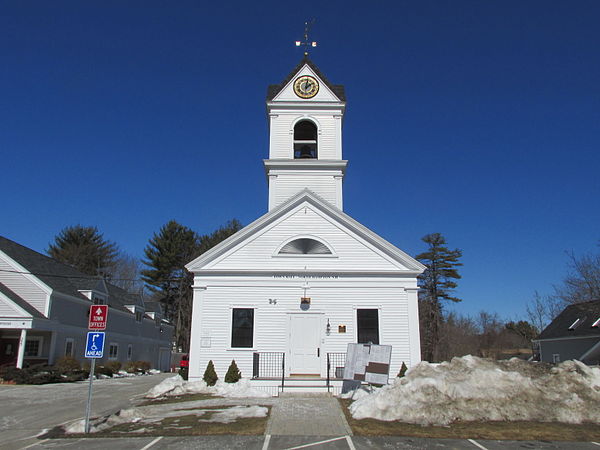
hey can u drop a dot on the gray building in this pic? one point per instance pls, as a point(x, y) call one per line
point(44, 308)
point(574, 334)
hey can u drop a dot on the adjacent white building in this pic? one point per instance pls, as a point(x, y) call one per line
point(285, 295)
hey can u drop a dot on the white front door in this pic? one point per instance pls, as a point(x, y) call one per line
point(305, 343)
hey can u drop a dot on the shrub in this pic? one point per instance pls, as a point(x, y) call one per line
point(403, 370)
point(131, 367)
point(115, 366)
point(103, 370)
point(143, 366)
point(67, 364)
point(233, 374)
point(210, 376)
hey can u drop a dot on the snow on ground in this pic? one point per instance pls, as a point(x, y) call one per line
point(144, 416)
point(476, 389)
point(178, 386)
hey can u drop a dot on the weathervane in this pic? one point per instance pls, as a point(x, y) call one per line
point(306, 43)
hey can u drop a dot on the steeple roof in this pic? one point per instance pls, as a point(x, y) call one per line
point(275, 89)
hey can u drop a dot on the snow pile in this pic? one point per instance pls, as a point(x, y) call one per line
point(476, 389)
point(146, 416)
point(178, 386)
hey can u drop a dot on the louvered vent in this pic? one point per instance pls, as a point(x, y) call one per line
point(305, 246)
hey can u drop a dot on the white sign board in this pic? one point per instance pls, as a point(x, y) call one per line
point(368, 362)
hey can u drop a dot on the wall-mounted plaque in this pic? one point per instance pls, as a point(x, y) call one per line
point(305, 300)
point(341, 328)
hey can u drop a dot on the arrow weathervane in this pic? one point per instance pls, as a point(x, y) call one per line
point(306, 43)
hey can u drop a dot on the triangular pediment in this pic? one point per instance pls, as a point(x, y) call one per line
point(352, 247)
point(284, 92)
point(12, 305)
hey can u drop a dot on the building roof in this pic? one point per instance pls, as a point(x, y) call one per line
point(63, 278)
point(587, 313)
point(275, 89)
point(19, 301)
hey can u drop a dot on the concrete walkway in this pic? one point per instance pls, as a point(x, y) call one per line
point(307, 414)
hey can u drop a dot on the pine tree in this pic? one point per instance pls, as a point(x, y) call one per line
point(85, 249)
point(210, 375)
point(233, 374)
point(437, 285)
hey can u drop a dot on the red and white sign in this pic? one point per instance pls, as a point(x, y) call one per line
point(98, 314)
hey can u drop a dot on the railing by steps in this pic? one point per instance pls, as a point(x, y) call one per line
point(335, 367)
point(269, 365)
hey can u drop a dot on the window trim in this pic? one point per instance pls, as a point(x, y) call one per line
point(378, 309)
point(113, 358)
point(555, 358)
point(230, 336)
point(67, 341)
point(40, 340)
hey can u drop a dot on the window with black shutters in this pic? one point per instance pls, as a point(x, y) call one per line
point(367, 321)
point(242, 327)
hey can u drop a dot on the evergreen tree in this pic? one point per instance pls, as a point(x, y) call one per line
point(233, 374)
point(167, 253)
point(85, 249)
point(437, 285)
point(210, 375)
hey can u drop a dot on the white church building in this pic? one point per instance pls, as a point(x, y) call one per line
point(285, 295)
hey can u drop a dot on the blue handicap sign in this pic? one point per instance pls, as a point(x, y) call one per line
point(94, 347)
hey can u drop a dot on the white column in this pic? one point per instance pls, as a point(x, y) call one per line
point(196, 335)
point(21, 352)
point(413, 325)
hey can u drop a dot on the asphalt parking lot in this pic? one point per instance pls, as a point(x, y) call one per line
point(298, 442)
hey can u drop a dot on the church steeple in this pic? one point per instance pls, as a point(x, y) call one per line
point(305, 147)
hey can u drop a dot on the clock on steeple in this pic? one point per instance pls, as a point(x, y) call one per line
point(305, 123)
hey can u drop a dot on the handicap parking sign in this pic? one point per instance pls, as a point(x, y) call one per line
point(94, 347)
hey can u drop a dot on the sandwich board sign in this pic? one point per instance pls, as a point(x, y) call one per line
point(367, 363)
point(98, 315)
point(94, 347)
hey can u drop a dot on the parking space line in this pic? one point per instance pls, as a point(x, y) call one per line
point(350, 443)
point(35, 443)
point(477, 444)
point(312, 444)
point(266, 443)
point(151, 443)
point(595, 443)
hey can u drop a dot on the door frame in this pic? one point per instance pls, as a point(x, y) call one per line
point(288, 352)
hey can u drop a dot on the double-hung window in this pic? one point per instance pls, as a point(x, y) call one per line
point(367, 324)
point(242, 328)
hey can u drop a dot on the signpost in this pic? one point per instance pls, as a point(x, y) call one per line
point(94, 349)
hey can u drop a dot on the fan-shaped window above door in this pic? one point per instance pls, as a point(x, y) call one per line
point(305, 246)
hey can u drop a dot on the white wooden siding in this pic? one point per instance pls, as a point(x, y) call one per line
point(21, 285)
point(282, 134)
point(284, 186)
point(271, 334)
point(351, 253)
point(9, 309)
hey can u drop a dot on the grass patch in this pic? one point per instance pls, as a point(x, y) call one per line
point(184, 425)
point(178, 399)
point(519, 431)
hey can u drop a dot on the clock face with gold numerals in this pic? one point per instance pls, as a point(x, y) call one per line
point(306, 86)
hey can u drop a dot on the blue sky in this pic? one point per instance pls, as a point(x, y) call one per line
point(479, 120)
